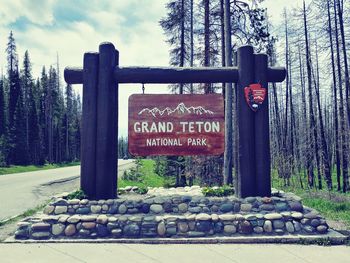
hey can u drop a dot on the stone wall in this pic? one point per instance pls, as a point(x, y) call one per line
point(172, 216)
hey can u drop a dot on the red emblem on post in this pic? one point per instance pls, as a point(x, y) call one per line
point(254, 95)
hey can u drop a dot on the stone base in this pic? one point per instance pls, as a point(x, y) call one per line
point(176, 216)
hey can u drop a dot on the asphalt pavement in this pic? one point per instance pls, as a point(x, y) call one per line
point(22, 191)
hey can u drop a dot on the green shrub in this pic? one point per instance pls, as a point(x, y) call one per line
point(142, 190)
point(78, 194)
point(218, 191)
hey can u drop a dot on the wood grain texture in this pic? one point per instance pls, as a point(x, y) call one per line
point(214, 140)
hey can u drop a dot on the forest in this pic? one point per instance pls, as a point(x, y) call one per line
point(309, 111)
point(39, 116)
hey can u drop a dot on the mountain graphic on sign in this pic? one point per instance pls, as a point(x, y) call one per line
point(180, 109)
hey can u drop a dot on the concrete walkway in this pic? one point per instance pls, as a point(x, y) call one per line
point(218, 253)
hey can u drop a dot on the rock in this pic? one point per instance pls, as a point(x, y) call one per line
point(195, 210)
point(70, 230)
point(266, 200)
point(84, 202)
point(195, 234)
point(74, 201)
point(268, 226)
point(104, 208)
point(236, 207)
point(297, 226)
point(203, 226)
point(258, 230)
point(273, 216)
point(40, 235)
point(102, 219)
point(57, 229)
point(278, 224)
point(113, 209)
point(95, 209)
point(132, 230)
point(89, 225)
point(137, 219)
point(84, 233)
point(74, 219)
point(312, 215)
point(305, 221)
point(88, 218)
point(308, 229)
point(214, 208)
point(203, 217)
point(186, 198)
point(128, 188)
point(145, 208)
point(250, 199)
point(61, 202)
point(227, 217)
point(297, 215)
point(22, 234)
point(182, 226)
point(227, 207)
point(102, 230)
point(49, 209)
point(230, 229)
point(122, 209)
point(250, 217)
point(116, 232)
point(267, 207)
point(290, 227)
point(315, 222)
point(112, 225)
point(281, 206)
point(192, 225)
point(156, 208)
point(60, 210)
point(246, 207)
point(43, 227)
point(168, 207)
point(279, 231)
point(322, 229)
point(246, 227)
point(182, 207)
point(171, 231)
point(214, 217)
point(161, 229)
point(296, 206)
point(83, 210)
point(63, 219)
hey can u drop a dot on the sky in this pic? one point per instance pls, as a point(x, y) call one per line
point(71, 27)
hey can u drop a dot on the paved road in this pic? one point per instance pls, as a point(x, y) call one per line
point(22, 191)
point(234, 253)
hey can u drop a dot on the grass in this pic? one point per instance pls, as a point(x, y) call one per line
point(148, 177)
point(27, 213)
point(332, 204)
point(30, 168)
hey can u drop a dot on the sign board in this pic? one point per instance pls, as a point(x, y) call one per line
point(254, 95)
point(183, 124)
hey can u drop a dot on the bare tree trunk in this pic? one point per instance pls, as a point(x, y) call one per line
point(346, 186)
point(313, 130)
point(207, 86)
point(335, 100)
point(325, 155)
point(192, 42)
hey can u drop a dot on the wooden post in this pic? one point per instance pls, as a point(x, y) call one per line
point(107, 124)
point(228, 98)
point(262, 133)
point(89, 123)
point(245, 182)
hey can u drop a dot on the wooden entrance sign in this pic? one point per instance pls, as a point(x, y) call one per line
point(176, 124)
point(100, 78)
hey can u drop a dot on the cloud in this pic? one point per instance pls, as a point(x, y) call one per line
point(39, 14)
point(71, 28)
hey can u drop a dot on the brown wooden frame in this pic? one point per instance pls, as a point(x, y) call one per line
point(100, 77)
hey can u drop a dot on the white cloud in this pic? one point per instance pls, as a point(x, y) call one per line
point(35, 12)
